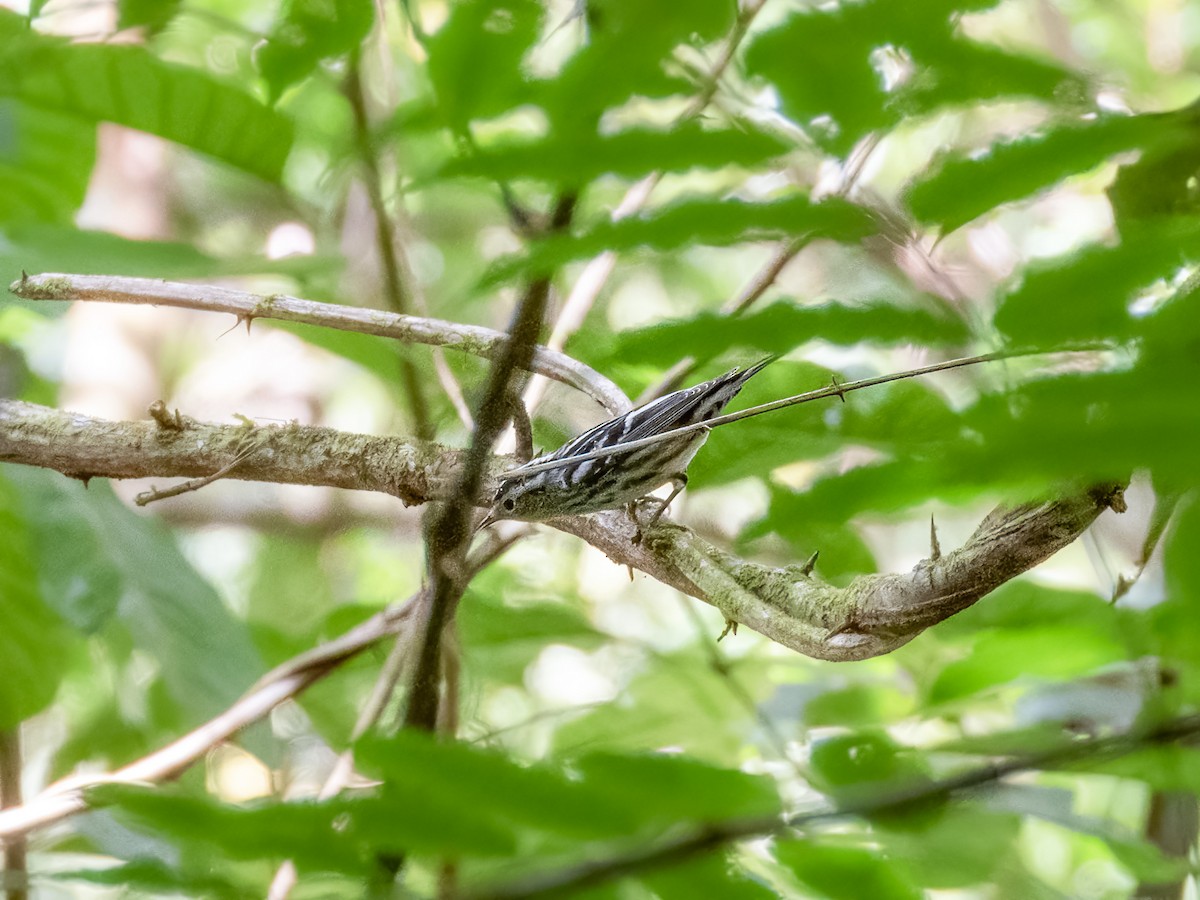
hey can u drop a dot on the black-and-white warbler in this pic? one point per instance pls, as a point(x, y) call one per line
point(558, 484)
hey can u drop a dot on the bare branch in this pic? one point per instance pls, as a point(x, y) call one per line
point(246, 306)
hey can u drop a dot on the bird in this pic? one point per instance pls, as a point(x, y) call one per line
point(560, 484)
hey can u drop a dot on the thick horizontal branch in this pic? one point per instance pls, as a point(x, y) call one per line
point(173, 445)
point(246, 306)
point(872, 616)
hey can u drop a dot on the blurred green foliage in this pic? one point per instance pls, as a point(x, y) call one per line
point(954, 176)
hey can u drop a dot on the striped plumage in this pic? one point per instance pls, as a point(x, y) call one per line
point(612, 481)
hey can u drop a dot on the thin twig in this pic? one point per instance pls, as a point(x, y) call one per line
point(154, 494)
point(588, 286)
point(402, 288)
point(381, 693)
point(758, 285)
point(599, 269)
point(66, 797)
point(714, 836)
point(14, 878)
point(246, 306)
point(834, 390)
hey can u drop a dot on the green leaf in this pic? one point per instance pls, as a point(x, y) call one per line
point(787, 324)
point(960, 187)
point(303, 832)
point(46, 159)
point(1161, 181)
point(1086, 295)
point(1172, 619)
point(669, 787)
point(857, 706)
point(845, 873)
point(713, 877)
point(835, 89)
point(308, 31)
point(35, 643)
point(496, 789)
point(480, 36)
point(957, 844)
point(1032, 653)
point(107, 560)
point(501, 639)
point(678, 702)
point(579, 158)
point(861, 761)
point(690, 222)
point(155, 877)
point(629, 51)
point(1168, 767)
point(127, 85)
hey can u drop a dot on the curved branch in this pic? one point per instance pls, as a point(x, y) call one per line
point(246, 306)
point(874, 615)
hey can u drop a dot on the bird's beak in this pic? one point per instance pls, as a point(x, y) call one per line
point(489, 519)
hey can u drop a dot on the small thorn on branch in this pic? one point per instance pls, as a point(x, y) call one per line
point(166, 420)
point(837, 389)
point(810, 564)
point(935, 548)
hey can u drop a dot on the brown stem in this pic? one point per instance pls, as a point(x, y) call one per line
point(395, 287)
point(15, 877)
point(449, 531)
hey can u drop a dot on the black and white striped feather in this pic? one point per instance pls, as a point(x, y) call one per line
point(611, 481)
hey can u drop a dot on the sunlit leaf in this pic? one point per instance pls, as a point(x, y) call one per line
point(46, 158)
point(308, 31)
point(785, 325)
point(482, 37)
point(845, 873)
point(837, 88)
point(702, 221)
point(153, 15)
point(1046, 652)
point(129, 86)
point(961, 187)
point(712, 876)
point(495, 787)
point(576, 159)
point(672, 787)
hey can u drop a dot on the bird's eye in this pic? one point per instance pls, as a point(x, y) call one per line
point(510, 504)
